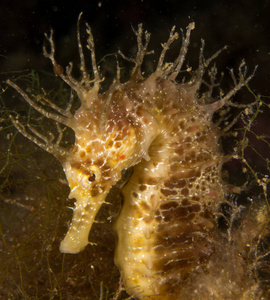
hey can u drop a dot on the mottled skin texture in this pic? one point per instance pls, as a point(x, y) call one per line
point(171, 199)
point(166, 228)
point(93, 166)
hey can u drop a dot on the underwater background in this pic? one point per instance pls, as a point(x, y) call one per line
point(34, 212)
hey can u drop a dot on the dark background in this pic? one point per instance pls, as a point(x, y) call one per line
point(242, 25)
point(33, 193)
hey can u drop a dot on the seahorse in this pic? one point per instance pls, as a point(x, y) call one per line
point(163, 130)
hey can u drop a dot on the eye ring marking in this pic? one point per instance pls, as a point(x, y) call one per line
point(92, 177)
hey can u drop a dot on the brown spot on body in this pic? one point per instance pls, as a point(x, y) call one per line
point(118, 145)
point(95, 191)
point(180, 212)
point(180, 150)
point(168, 205)
point(195, 208)
point(195, 198)
point(82, 153)
point(109, 145)
point(88, 208)
point(158, 219)
point(175, 182)
point(167, 192)
point(99, 162)
point(181, 126)
point(152, 181)
point(185, 192)
point(188, 140)
point(185, 202)
point(142, 187)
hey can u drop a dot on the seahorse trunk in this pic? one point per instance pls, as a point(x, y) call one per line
point(164, 229)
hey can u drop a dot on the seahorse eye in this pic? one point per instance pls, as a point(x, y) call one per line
point(92, 177)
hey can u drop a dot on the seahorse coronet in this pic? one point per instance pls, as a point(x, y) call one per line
point(164, 130)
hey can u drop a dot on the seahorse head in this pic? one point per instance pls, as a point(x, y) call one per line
point(101, 151)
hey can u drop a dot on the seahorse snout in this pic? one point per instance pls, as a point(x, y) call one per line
point(90, 190)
